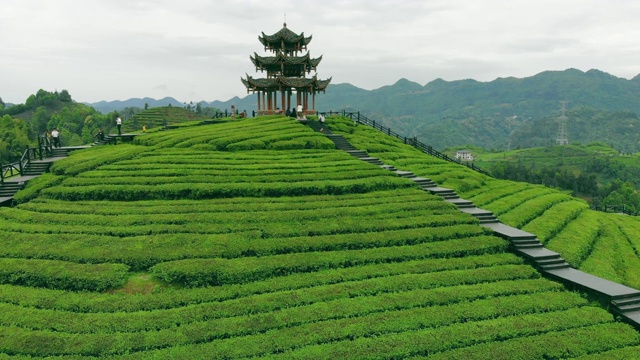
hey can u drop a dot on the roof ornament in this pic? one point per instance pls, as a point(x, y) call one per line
point(285, 20)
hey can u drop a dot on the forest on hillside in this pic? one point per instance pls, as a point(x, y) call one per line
point(21, 124)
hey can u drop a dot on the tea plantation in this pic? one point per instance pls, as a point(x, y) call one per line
point(603, 244)
point(257, 238)
point(160, 116)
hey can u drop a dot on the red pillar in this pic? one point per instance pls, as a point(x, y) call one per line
point(269, 100)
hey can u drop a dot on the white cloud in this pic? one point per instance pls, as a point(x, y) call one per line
point(199, 49)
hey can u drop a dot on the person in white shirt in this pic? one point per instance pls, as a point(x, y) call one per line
point(119, 125)
point(299, 113)
point(55, 134)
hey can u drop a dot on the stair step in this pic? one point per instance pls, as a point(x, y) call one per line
point(358, 153)
point(626, 301)
point(525, 242)
point(488, 221)
point(630, 307)
point(449, 196)
point(389, 167)
point(371, 160)
point(10, 186)
point(424, 182)
point(483, 215)
point(563, 265)
point(461, 203)
point(406, 174)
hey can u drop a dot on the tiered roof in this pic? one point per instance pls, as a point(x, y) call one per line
point(286, 69)
point(289, 65)
point(277, 82)
point(285, 40)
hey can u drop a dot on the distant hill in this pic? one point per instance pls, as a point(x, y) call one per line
point(451, 113)
point(109, 106)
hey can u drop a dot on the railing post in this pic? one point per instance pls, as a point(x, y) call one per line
point(40, 146)
point(358, 117)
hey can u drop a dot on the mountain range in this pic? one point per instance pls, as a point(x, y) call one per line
point(452, 113)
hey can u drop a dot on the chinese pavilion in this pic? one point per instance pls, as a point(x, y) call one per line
point(286, 72)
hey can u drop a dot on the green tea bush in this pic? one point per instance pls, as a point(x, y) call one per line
point(250, 144)
point(61, 274)
point(34, 186)
point(200, 272)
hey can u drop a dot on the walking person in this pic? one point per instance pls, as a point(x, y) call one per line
point(119, 125)
point(299, 113)
point(321, 119)
point(55, 134)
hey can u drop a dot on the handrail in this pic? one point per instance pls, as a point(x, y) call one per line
point(361, 119)
point(8, 170)
point(18, 168)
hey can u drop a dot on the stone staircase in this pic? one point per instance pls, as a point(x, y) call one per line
point(627, 306)
point(10, 187)
point(621, 299)
point(106, 140)
point(36, 168)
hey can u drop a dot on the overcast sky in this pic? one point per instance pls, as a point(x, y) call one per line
point(197, 50)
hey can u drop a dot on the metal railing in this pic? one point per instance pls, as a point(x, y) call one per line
point(361, 119)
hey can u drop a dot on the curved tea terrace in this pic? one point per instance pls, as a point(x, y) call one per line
point(621, 299)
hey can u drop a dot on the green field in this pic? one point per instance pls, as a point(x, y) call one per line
point(158, 117)
point(257, 238)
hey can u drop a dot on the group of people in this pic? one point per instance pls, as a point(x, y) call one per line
point(297, 113)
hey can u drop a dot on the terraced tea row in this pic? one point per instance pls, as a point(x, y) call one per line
point(370, 266)
point(269, 132)
point(160, 116)
point(564, 223)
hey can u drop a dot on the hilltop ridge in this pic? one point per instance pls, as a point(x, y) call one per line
point(454, 113)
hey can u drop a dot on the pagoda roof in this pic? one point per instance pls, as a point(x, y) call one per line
point(286, 82)
point(286, 37)
point(268, 62)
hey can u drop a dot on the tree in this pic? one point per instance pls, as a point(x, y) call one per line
point(1, 104)
point(64, 96)
point(13, 138)
point(39, 120)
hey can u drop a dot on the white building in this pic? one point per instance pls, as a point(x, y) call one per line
point(464, 155)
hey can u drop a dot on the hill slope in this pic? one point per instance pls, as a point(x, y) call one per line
point(455, 113)
point(160, 116)
point(257, 238)
point(603, 244)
